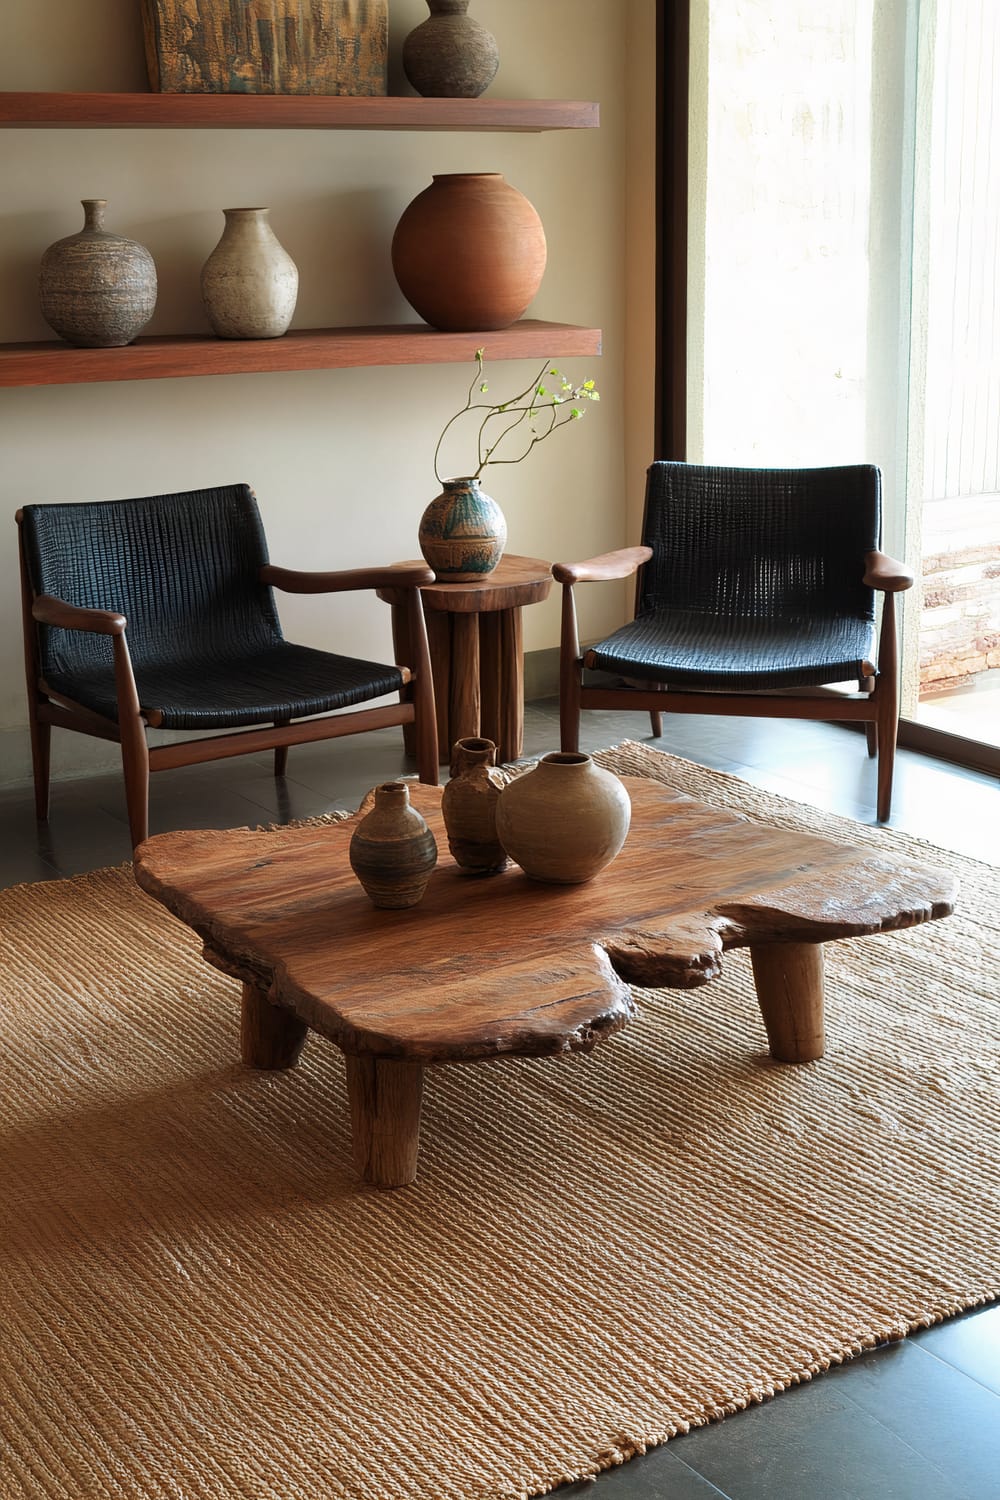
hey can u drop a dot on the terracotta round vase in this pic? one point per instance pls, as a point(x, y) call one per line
point(450, 55)
point(249, 284)
point(97, 289)
point(565, 820)
point(392, 850)
point(469, 808)
point(462, 532)
point(469, 252)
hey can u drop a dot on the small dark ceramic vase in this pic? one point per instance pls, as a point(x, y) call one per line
point(450, 55)
point(462, 533)
point(96, 289)
point(392, 851)
point(469, 808)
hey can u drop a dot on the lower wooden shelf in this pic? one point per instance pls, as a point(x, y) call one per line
point(164, 358)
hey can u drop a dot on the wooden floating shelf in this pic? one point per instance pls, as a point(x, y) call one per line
point(292, 112)
point(164, 358)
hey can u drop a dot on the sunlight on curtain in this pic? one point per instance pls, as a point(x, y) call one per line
point(954, 417)
point(788, 150)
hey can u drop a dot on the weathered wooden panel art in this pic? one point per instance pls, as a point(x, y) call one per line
point(266, 46)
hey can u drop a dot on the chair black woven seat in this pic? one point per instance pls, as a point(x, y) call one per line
point(220, 692)
point(755, 595)
point(697, 650)
point(159, 612)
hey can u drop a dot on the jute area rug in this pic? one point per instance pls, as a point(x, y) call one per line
point(599, 1252)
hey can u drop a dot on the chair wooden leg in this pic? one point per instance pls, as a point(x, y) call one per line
point(656, 723)
point(569, 716)
point(413, 627)
point(886, 731)
point(425, 714)
point(402, 648)
point(886, 703)
point(871, 736)
point(570, 675)
point(426, 732)
point(280, 752)
point(135, 763)
point(41, 739)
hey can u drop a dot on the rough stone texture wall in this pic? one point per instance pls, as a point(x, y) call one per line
point(960, 619)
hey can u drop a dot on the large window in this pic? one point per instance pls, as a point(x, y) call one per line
point(843, 260)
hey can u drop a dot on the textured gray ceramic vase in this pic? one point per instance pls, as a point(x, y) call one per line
point(450, 55)
point(249, 284)
point(97, 289)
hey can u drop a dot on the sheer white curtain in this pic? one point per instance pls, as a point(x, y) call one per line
point(801, 146)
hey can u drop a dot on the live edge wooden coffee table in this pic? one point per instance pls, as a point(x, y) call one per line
point(502, 965)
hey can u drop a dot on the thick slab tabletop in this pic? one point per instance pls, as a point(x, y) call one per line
point(484, 966)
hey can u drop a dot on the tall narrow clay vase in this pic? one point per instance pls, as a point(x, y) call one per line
point(565, 820)
point(450, 55)
point(249, 284)
point(469, 808)
point(392, 850)
point(97, 289)
point(462, 532)
point(469, 252)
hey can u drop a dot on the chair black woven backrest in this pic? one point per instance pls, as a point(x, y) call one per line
point(760, 543)
point(182, 568)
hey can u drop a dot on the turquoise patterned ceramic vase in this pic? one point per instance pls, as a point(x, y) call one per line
point(462, 533)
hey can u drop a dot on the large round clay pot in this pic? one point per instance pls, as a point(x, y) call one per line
point(249, 284)
point(392, 850)
point(469, 808)
point(97, 289)
point(451, 55)
point(462, 532)
point(469, 252)
point(565, 820)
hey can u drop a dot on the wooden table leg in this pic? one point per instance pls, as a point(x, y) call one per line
point(511, 739)
point(270, 1035)
point(789, 980)
point(463, 705)
point(385, 1100)
point(439, 647)
point(490, 678)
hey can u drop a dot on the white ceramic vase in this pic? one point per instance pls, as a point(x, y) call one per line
point(249, 282)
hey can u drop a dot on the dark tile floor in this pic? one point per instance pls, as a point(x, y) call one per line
point(918, 1420)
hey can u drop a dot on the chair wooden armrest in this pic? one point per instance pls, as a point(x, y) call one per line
point(885, 574)
point(394, 575)
point(48, 610)
point(620, 564)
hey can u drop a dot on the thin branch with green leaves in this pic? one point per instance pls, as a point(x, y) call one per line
point(536, 410)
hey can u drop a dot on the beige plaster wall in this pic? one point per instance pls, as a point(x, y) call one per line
point(340, 460)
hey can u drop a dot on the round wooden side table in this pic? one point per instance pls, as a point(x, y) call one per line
point(477, 652)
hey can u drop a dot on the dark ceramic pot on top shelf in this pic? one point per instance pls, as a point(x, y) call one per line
point(451, 55)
